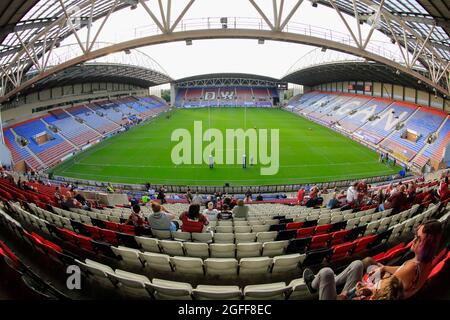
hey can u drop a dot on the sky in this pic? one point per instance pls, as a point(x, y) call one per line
point(272, 59)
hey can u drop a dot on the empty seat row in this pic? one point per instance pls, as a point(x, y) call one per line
point(131, 285)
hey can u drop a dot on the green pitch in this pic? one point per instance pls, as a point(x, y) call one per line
point(308, 152)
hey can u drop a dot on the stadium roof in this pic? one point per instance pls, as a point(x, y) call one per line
point(227, 75)
point(102, 72)
point(424, 16)
point(352, 71)
point(21, 20)
point(28, 17)
point(227, 80)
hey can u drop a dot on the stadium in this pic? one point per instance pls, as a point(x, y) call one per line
point(250, 150)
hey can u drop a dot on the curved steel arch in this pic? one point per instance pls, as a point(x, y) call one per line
point(224, 34)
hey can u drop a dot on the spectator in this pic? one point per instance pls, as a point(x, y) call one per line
point(259, 197)
point(443, 191)
point(110, 188)
point(411, 192)
point(241, 210)
point(69, 202)
point(82, 200)
point(189, 195)
point(233, 202)
point(134, 200)
point(213, 199)
point(389, 189)
point(58, 195)
point(151, 193)
point(225, 214)
point(227, 201)
point(210, 212)
point(413, 273)
point(193, 220)
point(145, 199)
point(314, 198)
point(135, 218)
point(161, 195)
point(396, 201)
point(248, 196)
point(333, 203)
point(352, 194)
point(160, 220)
point(389, 288)
point(300, 195)
point(197, 199)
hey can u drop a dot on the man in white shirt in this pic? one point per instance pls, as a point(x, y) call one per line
point(352, 193)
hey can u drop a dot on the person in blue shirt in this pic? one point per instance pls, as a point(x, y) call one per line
point(334, 202)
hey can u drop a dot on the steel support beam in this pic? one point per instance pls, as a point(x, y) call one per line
point(226, 34)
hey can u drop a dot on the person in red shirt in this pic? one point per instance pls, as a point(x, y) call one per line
point(193, 220)
point(135, 218)
point(443, 191)
point(300, 195)
point(396, 201)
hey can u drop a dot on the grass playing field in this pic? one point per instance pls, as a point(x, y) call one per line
point(308, 152)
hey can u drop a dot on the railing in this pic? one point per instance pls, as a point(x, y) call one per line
point(381, 48)
point(212, 23)
point(228, 189)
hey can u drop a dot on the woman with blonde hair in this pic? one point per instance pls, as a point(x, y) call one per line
point(388, 288)
point(210, 212)
point(412, 273)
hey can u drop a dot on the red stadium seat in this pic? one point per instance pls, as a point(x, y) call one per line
point(381, 257)
point(109, 236)
point(94, 231)
point(320, 241)
point(85, 242)
point(338, 237)
point(439, 257)
point(362, 243)
point(323, 229)
point(9, 253)
point(439, 267)
point(111, 225)
point(294, 225)
point(305, 232)
point(127, 229)
point(341, 251)
point(47, 245)
point(68, 235)
point(392, 253)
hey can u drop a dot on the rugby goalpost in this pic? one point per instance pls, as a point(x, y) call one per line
point(245, 126)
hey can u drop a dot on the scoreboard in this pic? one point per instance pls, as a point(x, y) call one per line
point(360, 87)
point(282, 86)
